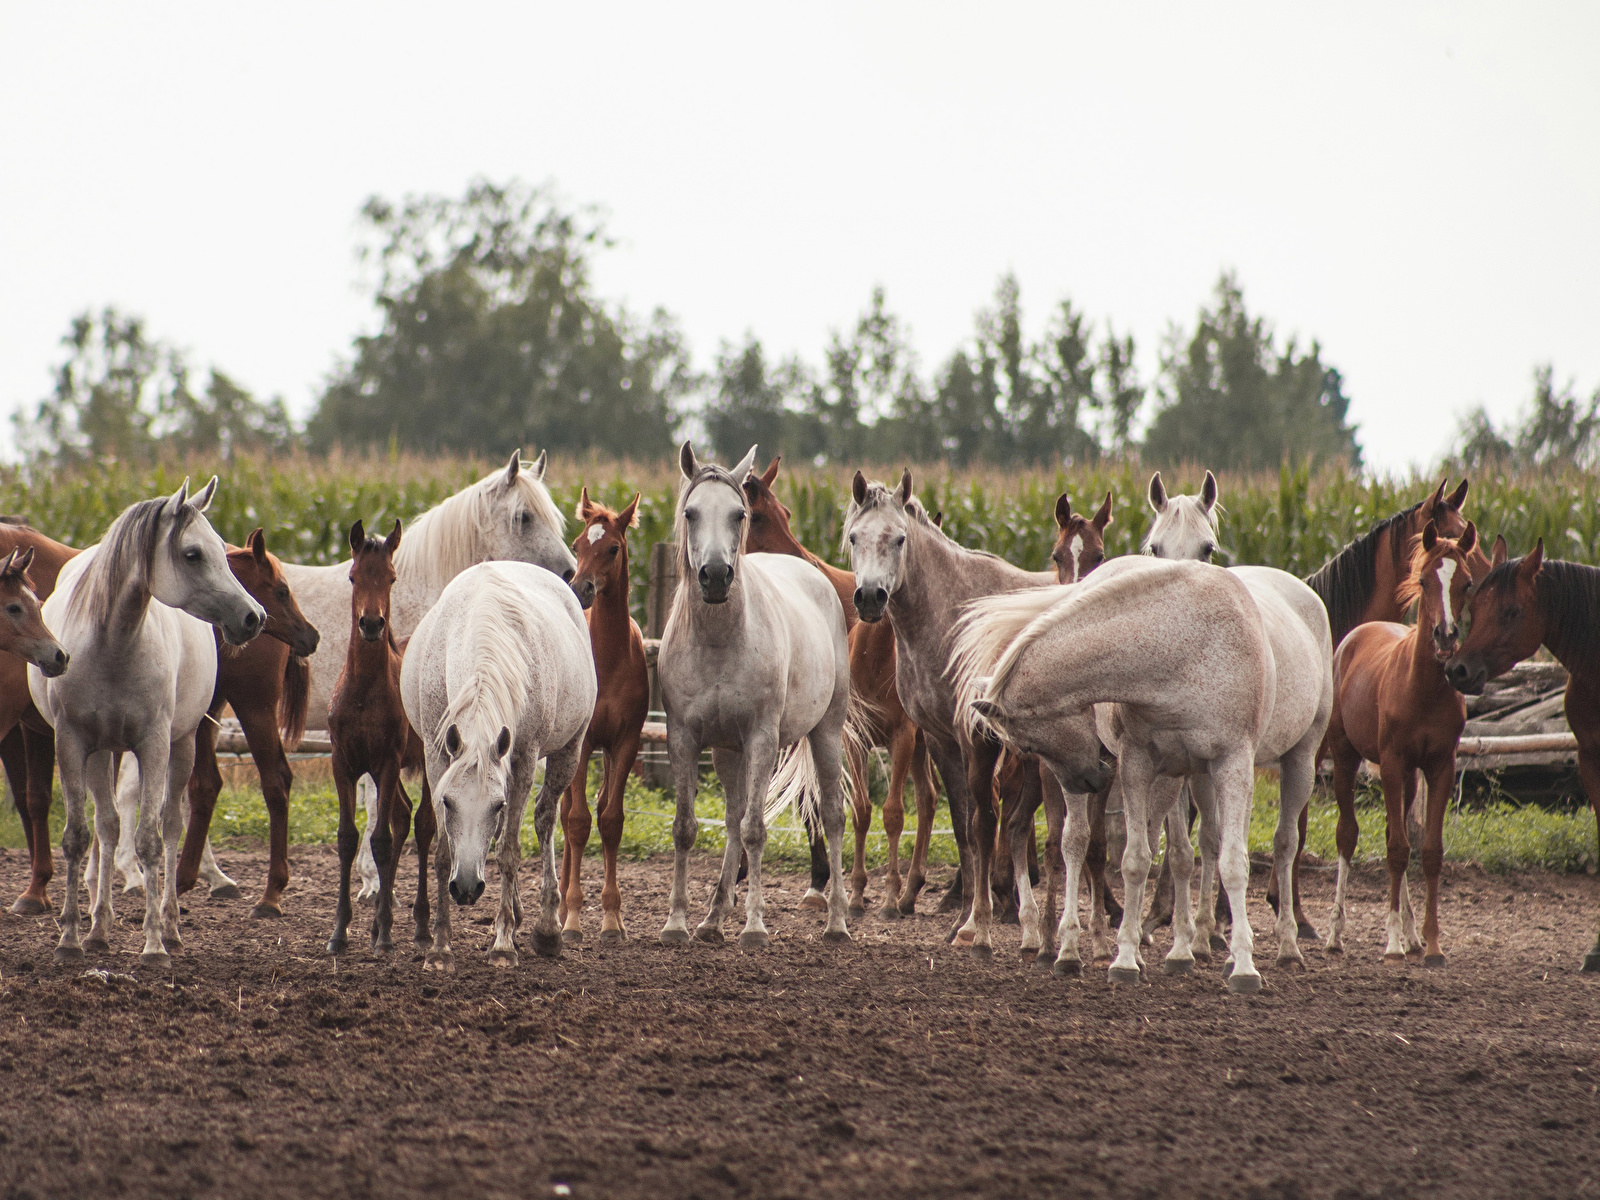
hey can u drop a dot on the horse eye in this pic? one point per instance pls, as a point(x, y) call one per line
point(900, 541)
point(192, 555)
point(738, 516)
point(689, 514)
point(852, 539)
point(614, 550)
point(448, 805)
point(14, 609)
point(525, 518)
point(282, 593)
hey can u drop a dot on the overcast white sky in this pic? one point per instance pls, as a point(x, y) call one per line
point(1417, 186)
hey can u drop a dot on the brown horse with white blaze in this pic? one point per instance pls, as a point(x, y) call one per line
point(1394, 706)
point(621, 706)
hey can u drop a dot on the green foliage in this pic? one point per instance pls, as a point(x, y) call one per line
point(1556, 429)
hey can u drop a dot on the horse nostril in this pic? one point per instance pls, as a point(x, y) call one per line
point(566, 576)
point(251, 620)
point(881, 595)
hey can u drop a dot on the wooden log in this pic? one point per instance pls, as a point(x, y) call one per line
point(1534, 743)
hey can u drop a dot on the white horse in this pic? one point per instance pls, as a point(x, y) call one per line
point(1302, 650)
point(498, 675)
point(135, 612)
point(754, 663)
point(508, 515)
point(1171, 662)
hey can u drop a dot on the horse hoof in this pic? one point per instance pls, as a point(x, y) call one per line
point(1202, 954)
point(612, 937)
point(1124, 974)
point(228, 891)
point(27, 906)
point(435, 960)
point(96, 945)
point(1068, 968)
point(709, 934)
point(1244, 985)
point(69, 954)
point(1029, 954)
point(908, 907)
point(1307, 932)
point(546, 945)
point(856, 912)
point(1291, 962)
point(815, 901)
point(1178, 966)
point(1333, 948)
point(836, 936)
point(889, 913)
point(381, 948)
point(1395, 958)
point(1219, 944)
point(572, 937)
point(156, 958)
point(1045, 960)
point(951, 901)
point(1591, 962)
point(1433, 960)
point(674, 937)
point(504, 959)
point(753, 939)
point(265, 911)
point(338, 945)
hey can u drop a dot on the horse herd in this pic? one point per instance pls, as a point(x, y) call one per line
point(460, 647)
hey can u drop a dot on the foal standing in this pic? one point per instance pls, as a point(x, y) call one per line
point(371, 736)
point(620, 709)
point(1394, 706)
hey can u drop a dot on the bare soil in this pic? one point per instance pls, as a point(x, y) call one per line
point(894, 1066)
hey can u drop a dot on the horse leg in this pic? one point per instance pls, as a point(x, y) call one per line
point(128, 776)
point(205, 783)
point(1180, 854)
point(861, 821)
point(1024, 807)
point(14, 756)
point(948, 757)
point(102, 787)
point(559, 769)
point(34, 800)
point(1296, 774)
point(272, 765)
point(427, 828)
point(1005, 791)
point(1345, 763)
point(367, 790)
point(1104, 911)
point(1303, 926)
point(348, 839)
point(575, 827)
point(385, 850)
point(180, 765)
point(1233, 785)
point(730, 768)
point(755, 767)
point(74, 839)
point(154, 758)
point(1588, 774)
point(902, 745)
point(927, 798)
point(1441, 783)
point(618, 762)
point(438, 957)
point(826, 739)
point(1138, 777)
point(981, 838)
point(1398, 781)
point(1054, 804)
point(684, 756)
point(1202, 789)
point(1413, 828)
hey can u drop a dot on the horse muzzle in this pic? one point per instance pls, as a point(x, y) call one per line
point(716, 581)
point(304, 644)
point(465, 889)
point(372, 628)
point(1467, 678)
point(870, 603)
point(240, 632)
point(584, 590)
point(51, 660)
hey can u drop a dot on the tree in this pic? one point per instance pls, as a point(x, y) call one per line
point(746, 406)
point(1556, 430)
point(492, 335)
point(1231, 399)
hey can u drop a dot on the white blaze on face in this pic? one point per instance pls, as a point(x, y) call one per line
point(1447, 570)
point(596, 532)
point(1075, 549)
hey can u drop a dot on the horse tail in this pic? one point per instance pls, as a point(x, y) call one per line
point(795, 783)
point(294, 701)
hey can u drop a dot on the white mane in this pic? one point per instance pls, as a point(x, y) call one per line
point(987, 627)
point(501, 639)
point(454, 534)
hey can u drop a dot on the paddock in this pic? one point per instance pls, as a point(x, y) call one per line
point(891, 1066)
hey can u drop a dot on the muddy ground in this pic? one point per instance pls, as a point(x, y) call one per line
point(894, 1066)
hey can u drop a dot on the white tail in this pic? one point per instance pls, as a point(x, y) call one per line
point(795, 784)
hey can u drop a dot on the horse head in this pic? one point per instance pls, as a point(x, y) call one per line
point(518, 520)
point(1080, 541)
point(372, 577)
point(1438, 583)
point(22, 629)
point(261, 574)
point(602, 546)
point(472, 794)
point(875, 529)
point(1507, 620)
point(769, 518)
point(1185, 526)
point(188, 565)
point(712, 520)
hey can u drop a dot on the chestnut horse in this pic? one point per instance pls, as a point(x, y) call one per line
point(1394, 706)
point(371, 736)
point(27, 744)
point(620, 708)
point(1531, 602)
point(872, 670)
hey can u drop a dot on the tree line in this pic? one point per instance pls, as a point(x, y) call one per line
point(492, 333)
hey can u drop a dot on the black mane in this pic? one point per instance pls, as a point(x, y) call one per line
point(1347, 580)
point(1569, 597)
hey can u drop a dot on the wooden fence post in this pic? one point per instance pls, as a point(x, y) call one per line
point(658, 602)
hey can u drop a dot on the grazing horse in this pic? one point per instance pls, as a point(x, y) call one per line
point(620, 709)
point(370, 735)
point(872, 676)
point(755, 664)
point(1172, 662)
point(498, 675)
point(27, 746)
point(1302, 651)
point(1526, 603)
point(134, 613)
point(908, 570)
point(1395, 707)
point(264, 682)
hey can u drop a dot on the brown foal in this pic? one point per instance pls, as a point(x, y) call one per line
point(620, 708)
point(371, 736)
point(265, 681)
point(1394, 706)
point(872, 669)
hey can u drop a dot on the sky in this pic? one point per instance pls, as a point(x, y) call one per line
point(1417, 187)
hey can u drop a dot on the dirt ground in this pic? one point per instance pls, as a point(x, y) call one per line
point(894, 1066)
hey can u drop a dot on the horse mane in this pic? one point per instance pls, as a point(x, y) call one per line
point(1569, 598)
point(986, 627)
point(1345, 582)
point(123, 559)
point(880, 495)
point(294, 700)
point(451, 536)
point(501, 636)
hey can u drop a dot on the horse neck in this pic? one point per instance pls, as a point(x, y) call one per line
point(367, 662)
point(1426, 671)
point(940, 577)
point(610, 619)
point(1564, 639)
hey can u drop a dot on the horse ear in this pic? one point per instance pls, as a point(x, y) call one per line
point(858, 488)
point(22, 559)
point(1457, 498)
point(902, 494)
point(938, 519)
point(513, 468)
point(452, 741)
point(771, 472)
point(1208, 492)
point(1532, 564)
point(177, 500)
point(358, 536)
point(582, 511)
point(1430, 536)
point(1063, 511)
point(1498, 556)
point(6, 564)
point(1468, 540)
point(745, 465)
point(629, 517)
point(392, 542)
point(539, 464)
point(1438, 494)
point(1158, 493)
point(257, 542)
point(687, 463)
point(201, 500)
point(1103, 517)
point(502, 743)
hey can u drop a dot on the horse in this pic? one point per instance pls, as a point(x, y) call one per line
point(1170, 660)
point(1394, 706)
point(908, 570)
point(872, 677)
point(1302, 648)
point(370, 736)
point(498, 675)
point(1534, 601)
point(134, 612)
point(22, 630)
point(755, 664)
point(264, 682)
point(621, 706)
point(27, 746)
